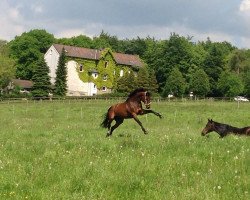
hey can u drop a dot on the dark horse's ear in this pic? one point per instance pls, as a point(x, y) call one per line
point(148, 93)
point(210, 120)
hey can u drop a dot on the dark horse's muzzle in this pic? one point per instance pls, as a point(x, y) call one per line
point(147, 105)
point(204, 132)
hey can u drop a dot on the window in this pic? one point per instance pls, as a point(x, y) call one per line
point(81, 68)
point(95, 75)
point(121, 73)
point(105, 77)
point(104, 88)
point(106, 64)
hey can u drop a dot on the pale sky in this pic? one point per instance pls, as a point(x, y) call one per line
point(221, 20)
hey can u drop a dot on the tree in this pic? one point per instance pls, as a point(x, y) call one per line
point(136, 46)
point(236, 61)
point(230, 84)
point(126, 83)
point(154, 57)
point(175, 83)
point(102, 41)
point(215, 62)
point(121, 86)
point(79, 41)
point(142, 80)
point(61, 75)
point(41, 80)
point(153, 85)
point(7, 69)
point(199, 83)
point(247, 83)
point(177, 52)
point(27, 49)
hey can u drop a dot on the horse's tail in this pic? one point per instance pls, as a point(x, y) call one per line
point(105, 121)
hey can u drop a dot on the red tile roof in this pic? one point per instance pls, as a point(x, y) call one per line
point(22, 83)
point(95, 54)
point(127, 59)
point(79, 52)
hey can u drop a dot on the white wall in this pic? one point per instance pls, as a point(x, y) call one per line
point(51, 58)
point(76, 87)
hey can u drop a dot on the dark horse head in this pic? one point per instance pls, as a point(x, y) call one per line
point(140, 95)
point(210, 126)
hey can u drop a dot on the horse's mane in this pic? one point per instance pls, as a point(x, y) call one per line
point(136, 91)
point(221, 124)
point(227, 126)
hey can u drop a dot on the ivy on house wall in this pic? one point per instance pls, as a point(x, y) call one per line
point(108, 71)
point(88, 65)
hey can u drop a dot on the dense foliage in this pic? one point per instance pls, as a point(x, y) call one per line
point(175, 83)
point(208, 58)
point(199, 82)
point(28, 49)
point(7, 69)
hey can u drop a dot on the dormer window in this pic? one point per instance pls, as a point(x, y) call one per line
point(81, 68)
point(104, 89)
point(105, 77)
point(106, 64)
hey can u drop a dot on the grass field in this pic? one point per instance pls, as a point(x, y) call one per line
point(57, 150)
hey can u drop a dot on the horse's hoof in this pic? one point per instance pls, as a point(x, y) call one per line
point(145, 132)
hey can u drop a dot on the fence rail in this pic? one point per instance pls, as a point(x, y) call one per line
point(118, 99)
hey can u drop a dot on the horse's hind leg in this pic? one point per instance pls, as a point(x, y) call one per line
point(118, 121)
point(109, 125)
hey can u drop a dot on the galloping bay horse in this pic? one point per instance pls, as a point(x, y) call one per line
point(129, 109)
point(224, 129)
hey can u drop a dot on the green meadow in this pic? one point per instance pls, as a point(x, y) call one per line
point(57, 150)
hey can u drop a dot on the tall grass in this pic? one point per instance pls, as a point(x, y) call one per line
point(57, 150)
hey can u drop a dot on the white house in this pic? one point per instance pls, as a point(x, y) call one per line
point(83, 77)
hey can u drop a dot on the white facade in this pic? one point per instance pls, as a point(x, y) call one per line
point(51, 58)
point(75, 86)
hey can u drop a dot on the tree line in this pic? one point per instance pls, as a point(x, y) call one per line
point(176, 65)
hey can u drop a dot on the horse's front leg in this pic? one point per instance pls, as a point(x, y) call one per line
point(151, 111)
point(139, 122)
